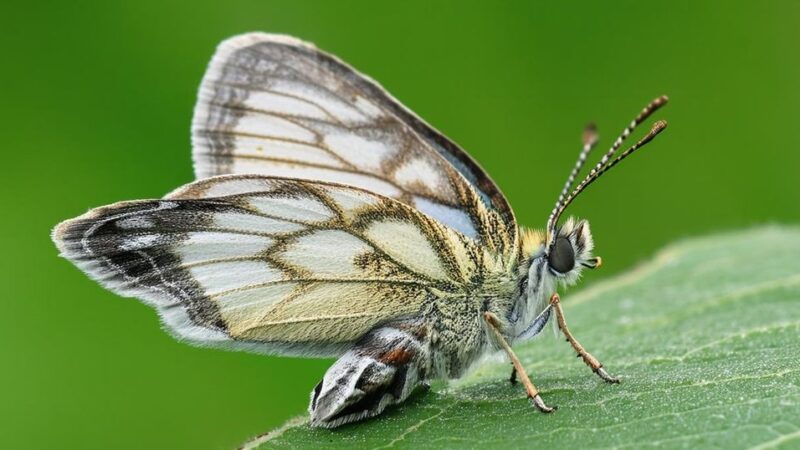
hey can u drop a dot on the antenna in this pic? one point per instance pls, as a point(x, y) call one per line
point(590, 139)
point(603, 165)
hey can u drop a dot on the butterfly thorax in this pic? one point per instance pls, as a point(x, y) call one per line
point(453, 311)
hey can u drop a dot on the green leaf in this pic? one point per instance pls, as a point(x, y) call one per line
point(706, 340)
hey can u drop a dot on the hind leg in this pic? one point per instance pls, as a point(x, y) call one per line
point(382, 368)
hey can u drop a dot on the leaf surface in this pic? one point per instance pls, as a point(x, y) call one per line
point(705, 337)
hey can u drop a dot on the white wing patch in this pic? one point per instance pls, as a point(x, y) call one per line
point(454, 218)
point(420, 172)
point(272, 126)
point(251, 223)
point(135, 223)
point(214, 246)
point(335, 107)
point(283, 169)
point(228, 187)
point(283, 104)
point(255, 151)
point(294, 209)
point(351, 201)
point(217, 278)
point(408, 245)
point(142, 241)
point(326, 252)
point(359, 151)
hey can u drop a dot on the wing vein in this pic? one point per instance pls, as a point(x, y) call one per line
point(316, 318)
point(250, 287)
point(299, 76)
point(280, 93)
point(293, 119)
point(323, 166)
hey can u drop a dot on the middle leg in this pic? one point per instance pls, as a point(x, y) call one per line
point(530, 389)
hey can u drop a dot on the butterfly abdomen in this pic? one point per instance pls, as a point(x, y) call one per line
point(383, 368)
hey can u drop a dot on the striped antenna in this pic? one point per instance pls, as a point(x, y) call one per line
point(589, 141)
point(603, 165)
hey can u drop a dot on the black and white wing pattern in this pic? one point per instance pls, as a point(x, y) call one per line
point(275, 105)
point(276, 265)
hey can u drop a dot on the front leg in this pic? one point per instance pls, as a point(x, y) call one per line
point(534, 329)
point(590, 360)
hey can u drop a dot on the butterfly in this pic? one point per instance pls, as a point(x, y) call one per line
point(327, 219)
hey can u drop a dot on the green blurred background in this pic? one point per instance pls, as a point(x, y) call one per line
point(96, 103)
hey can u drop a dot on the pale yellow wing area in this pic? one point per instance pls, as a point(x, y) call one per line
point(276, 265)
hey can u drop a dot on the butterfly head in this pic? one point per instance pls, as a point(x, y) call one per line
point(559, 255)
point(571, 252)
point(551, 266)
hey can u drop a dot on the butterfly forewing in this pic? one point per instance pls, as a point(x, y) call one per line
point(291, 265)
point(274, 105)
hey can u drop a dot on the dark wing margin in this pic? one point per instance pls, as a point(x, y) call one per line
point(125, 248)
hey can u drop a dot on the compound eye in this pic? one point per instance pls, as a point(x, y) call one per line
point(562, 257)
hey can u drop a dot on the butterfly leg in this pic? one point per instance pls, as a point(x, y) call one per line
point(534, 329)
point(587, 357)
point(533, 393)
point(513, 378)
point(383, 368)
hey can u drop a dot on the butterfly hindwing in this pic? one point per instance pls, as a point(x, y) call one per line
point(276, 265)
point(277, 106)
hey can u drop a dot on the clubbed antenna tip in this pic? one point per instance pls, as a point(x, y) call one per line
point(589, 140)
